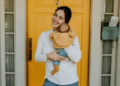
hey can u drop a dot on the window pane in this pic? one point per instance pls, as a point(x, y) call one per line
point(108, 6)
point(9, 63)
point(105, 81)
point(10, 81)
point(9, 5)
point(107, 47)
point(9, 43)
point(9, 23)
point(107, 18)
point(106, 65)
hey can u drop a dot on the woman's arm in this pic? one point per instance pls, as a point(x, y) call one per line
point(39, 57)
point(73, 51)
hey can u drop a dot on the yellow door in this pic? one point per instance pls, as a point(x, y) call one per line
point(39, 15)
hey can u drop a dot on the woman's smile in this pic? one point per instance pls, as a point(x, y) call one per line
point(54, 22)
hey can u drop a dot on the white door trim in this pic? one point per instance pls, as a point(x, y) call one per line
point(95, 43)
point(118, 54)
point(0, 48)
point(19, 40)
point(2, 43)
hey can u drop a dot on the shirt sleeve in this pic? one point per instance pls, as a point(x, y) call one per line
point(39, 57)
point(73, 51)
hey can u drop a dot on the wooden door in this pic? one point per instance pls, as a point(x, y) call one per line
point(39, 15)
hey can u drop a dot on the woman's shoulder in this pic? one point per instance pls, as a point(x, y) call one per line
point(45, 33)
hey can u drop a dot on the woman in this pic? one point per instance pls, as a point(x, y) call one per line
point(67, 74)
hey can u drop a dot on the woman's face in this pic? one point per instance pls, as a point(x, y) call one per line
point(58, 18)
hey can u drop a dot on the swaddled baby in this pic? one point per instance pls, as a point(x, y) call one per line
point(62, 38)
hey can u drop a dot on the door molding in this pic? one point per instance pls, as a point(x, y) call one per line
point(2, 63)
point(19, 40)
point(95, 43)
point(118, 52)
point(0, 47)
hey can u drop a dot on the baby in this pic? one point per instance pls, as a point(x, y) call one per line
point(62, 38)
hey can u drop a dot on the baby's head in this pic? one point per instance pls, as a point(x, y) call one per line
point(64, 28)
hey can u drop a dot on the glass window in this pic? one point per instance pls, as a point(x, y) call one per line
point(105, 81)
point(108, 6)
point(107, 18)
point(10, 80)
point(9, 23)
point(9, 5)
point(9, 43)
point(9, 63)
point(107, 47)
point(106, 65)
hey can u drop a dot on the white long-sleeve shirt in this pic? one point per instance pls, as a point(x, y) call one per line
point(67, 73)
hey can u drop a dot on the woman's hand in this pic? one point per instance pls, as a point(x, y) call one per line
point(54, 56)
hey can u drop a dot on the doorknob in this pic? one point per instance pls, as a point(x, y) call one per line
point(30, 49)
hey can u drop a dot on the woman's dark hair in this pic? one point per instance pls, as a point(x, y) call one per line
point(67, 11)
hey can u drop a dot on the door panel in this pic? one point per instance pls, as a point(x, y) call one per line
point(72, 3)
point(45, 2)
point(39, 20)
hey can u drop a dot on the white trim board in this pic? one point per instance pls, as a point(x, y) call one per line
point(0, 47)
point(2, 44)
point(19, 40)
point(95, 53)
point(118, 54)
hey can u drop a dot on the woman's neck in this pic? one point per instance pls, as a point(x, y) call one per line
point(55, 29)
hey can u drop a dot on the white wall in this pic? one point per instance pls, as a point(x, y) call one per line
point(95, 53)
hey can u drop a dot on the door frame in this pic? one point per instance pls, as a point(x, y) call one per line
point(95, 53)
point(95, 46)
point(19, 43)
point(118, 54)
point(0, 49)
